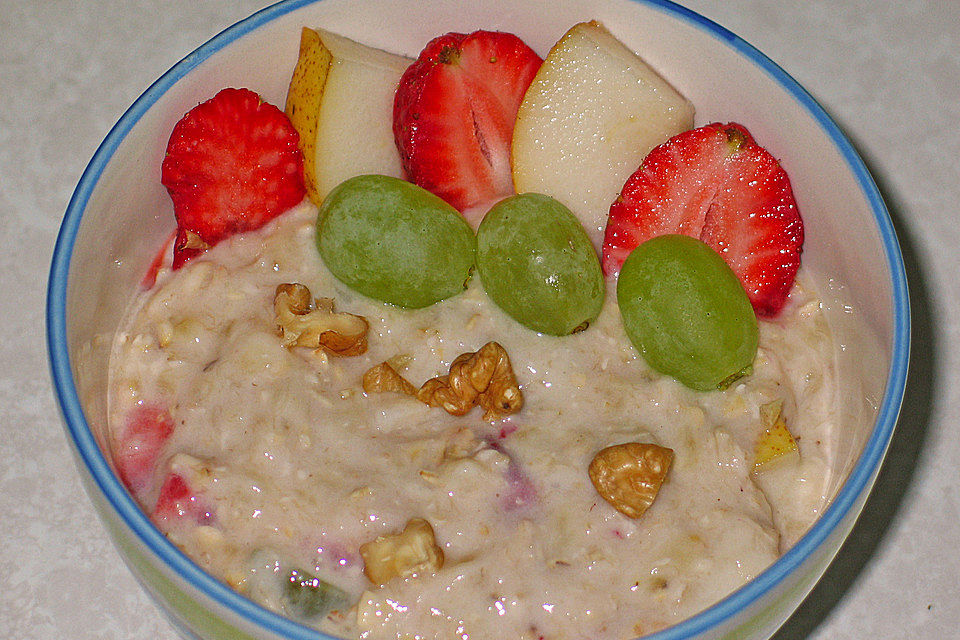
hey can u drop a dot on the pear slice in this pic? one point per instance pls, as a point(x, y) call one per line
point(340, 101)
point(590, 116)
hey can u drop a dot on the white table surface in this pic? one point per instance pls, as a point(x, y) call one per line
point(888, 72)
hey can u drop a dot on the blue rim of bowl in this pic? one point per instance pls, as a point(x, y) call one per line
point(742, 599)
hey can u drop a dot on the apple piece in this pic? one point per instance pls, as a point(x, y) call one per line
point(590, 116)
point(341, 103)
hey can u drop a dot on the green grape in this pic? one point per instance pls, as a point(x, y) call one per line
point(307, 597)
point(687, 313)
point(538, 265)
point(393, 241)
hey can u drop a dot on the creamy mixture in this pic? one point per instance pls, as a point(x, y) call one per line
point(297, 467)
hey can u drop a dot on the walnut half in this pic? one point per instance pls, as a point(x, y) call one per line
point(412, 552)
point(629, 475)
point(483, 377)
point(301, 323)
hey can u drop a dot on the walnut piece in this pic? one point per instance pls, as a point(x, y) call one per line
point(384, 378)
point(629, 475)
point(301, 323)
point(483, 377)
point(412, 552)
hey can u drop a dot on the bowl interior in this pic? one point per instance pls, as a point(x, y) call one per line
point(120, 214)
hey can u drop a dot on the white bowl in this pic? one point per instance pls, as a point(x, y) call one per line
point(120, 215)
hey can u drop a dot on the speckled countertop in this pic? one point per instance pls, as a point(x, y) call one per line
point(889, 73)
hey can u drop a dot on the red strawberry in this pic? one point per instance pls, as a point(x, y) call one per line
point(150, 277)
point(178, 502)
point(232, 165)
point(716, 184)
point(146, 430)
point(454, 111)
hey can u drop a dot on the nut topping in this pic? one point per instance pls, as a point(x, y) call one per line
point(384, 378)
point(301, 323)
point(483, 377)
point(412, 552)
point(629, 475)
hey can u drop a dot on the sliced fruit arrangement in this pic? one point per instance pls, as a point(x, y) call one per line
point(339, 88)
point(538, 265)
point(232, 165)
point(454, 113)
point(686, 313)
point(473, 118)
point(717, 184)
point(393, 241)
point(591, 114)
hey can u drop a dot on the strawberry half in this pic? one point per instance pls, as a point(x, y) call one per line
point(717, 184)
point(454, 111)
point(232, 165)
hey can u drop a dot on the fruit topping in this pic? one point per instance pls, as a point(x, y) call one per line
point(303, 322)
point(538, 265)
point(591, 114)
point(395, 242)
point(339, 88)
point(686, 313)
point(232, 165)
point(629, 475)
point(454, 112)
point(717, 184)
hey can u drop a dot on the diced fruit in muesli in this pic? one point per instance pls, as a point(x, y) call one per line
point(686, 313)
point(308, 598)
point(776, 443)
point(147, 429)
point(717, 184)
point(591, 114)
point(232, 165)
point(179, 503)
point(296, 592)
point(395, 242)
point(538, 265)
point(454, 112)
point(341, 103)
